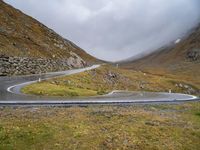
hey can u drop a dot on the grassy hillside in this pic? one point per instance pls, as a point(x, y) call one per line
point(139, 127)
point(108, 78)
point(181, 60)
point(175, 67)
point(21, 35)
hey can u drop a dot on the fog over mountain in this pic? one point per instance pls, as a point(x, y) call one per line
point(115, 29)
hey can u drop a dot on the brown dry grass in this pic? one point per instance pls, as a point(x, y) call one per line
point(141, 127)
point(21, 35)
point(98, 81)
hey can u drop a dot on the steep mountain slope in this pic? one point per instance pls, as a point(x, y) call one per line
point(180, 63)
point(181, 57)
point(23, 37)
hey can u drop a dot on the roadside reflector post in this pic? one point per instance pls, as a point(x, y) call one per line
point(170, 91)
point(117, 65)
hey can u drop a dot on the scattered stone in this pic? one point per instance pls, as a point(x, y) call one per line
point(112, 75)
point(152, 123)
point(25, 65)
point(193, 55)
point(14, 44)
point(187, 88)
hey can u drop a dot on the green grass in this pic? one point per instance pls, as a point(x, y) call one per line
point(57, 90)
point(198, 114)
point(98, 82)
point(159, 127)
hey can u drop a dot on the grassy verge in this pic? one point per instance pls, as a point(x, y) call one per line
point(49, 89)
point(105, 79)
point(102, 127)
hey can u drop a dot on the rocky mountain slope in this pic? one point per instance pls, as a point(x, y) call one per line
point(24, 38)
point(180, 62)
point(183, 56)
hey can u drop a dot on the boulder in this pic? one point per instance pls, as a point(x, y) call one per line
point(25, 65)
point(193, 55)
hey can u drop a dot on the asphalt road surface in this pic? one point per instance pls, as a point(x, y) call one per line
point(10, 93)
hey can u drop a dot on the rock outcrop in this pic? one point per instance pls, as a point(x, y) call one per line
point(193, 55)
point(28, 46)
point(25, 65)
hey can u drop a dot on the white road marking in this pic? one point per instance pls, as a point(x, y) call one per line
point(9, 89)
point(94, 101)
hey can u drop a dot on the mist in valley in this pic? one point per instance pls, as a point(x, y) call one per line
point(116, 30)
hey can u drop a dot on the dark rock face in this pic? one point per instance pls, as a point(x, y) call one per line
point(24, 65)
point(194, 55)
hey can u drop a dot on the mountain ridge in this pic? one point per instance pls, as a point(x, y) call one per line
point(29, 47)
point(186, 52)
point(24, 36)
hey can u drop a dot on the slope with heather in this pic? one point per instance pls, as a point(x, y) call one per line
point(22, 36)
point(181, 60)
point(185, 53)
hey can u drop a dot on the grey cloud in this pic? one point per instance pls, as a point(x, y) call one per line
point(115, 29)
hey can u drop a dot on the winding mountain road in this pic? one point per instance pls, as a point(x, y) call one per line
point(10, 94)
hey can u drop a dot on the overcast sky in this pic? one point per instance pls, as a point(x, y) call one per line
point(115, 29)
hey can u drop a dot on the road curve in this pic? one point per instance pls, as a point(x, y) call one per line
point(10, 94)
point(15, 89)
